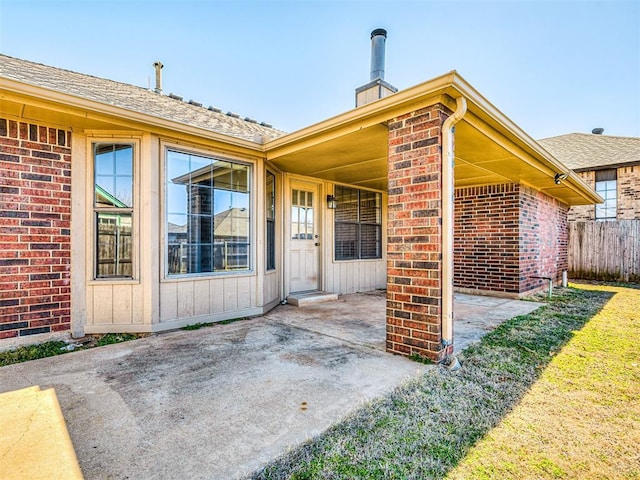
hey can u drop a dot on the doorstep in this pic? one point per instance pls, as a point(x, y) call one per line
point(311, 297)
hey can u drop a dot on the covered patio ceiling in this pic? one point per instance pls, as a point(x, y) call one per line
point(352, 148)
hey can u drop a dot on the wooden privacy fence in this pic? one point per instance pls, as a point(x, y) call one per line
point(607, 250)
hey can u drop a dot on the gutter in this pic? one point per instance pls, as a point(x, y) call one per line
point(497, 120)
point(447, 197)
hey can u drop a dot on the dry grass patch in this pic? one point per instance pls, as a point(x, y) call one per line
point(581, 419)
point(425, 428)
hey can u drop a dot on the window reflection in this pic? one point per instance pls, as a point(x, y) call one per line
point(113, 208)
point(270, 205)
point(114, 175)
point(208, 215)
point(606, 187)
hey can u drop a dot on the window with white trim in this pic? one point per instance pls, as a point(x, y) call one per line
point(358, 224)
point(606, 187)
point(208, 214)
point(113, 209)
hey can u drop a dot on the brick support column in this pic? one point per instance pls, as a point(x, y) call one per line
point(35, 235)
point(414, 246)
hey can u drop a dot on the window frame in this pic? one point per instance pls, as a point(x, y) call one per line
point(609, 204)
point(94, 210)
point(359, 223)
point(270, 223)
point(215, 156)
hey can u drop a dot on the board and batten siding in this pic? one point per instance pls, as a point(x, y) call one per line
point(351, 276)
point(210, 299)
point(272, 287)
point(108, 305)
point(151, 302)
point(356, 276)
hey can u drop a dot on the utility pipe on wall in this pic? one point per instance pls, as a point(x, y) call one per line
point(448, 160)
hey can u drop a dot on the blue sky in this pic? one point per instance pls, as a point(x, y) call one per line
point(552, 67)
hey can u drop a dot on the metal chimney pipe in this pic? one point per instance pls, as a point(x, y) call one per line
point(378, 39)
point(158, 66)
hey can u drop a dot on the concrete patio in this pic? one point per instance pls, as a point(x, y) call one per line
point(221, 401)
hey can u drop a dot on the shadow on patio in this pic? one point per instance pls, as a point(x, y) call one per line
point(359, 318)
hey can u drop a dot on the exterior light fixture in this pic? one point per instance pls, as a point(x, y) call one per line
point(332, 203)
point(560, 177)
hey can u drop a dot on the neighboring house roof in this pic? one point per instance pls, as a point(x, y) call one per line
point(136, 99)
point(232, 223)
point(584, 151)
point(229, 223)
point(173, 228)
point(105, 198)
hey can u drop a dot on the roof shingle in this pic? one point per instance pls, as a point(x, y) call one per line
point(130, 97)
point(583, 151)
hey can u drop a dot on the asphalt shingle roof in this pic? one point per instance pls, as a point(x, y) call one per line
point(133, 98)
point(583, 151)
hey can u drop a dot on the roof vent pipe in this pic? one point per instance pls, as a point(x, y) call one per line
point(597, 131)
point(378, 39)
point(158, 66)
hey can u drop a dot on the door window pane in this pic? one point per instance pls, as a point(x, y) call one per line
point(302, 227)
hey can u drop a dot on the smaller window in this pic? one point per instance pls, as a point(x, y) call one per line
point(358, 224)
point(606, 187)
point(113, 209)
point(270, 205)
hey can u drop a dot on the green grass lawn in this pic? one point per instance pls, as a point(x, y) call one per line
point(57, 347)
point(553, 394)
point(581, 419)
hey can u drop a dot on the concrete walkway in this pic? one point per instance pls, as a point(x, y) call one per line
point(475, 315)
point(221, 401)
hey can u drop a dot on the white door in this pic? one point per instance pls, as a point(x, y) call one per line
point(304, 238)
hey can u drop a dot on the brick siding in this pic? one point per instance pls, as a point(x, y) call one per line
point(628, 185)
point(414, 247)
point(629, 193)
point(584, 212)
point(486, 246)
point(506, 236)
point(544, 239)
point(35, 222)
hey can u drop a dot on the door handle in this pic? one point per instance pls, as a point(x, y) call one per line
point(317, 244)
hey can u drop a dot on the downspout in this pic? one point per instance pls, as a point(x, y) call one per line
point(448, 160)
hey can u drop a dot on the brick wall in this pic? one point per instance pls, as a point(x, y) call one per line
point(486, 229)
point(584, 212)
point(628, 196)
point(414, 247)
point(629, 193)
point(543, 239)
point(35, 217)
point(505, 236)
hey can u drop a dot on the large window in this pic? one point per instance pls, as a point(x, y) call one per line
point(270, 205)
point(208, 214)
point(358, 224)
point(113, 209)
point(606, 181)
